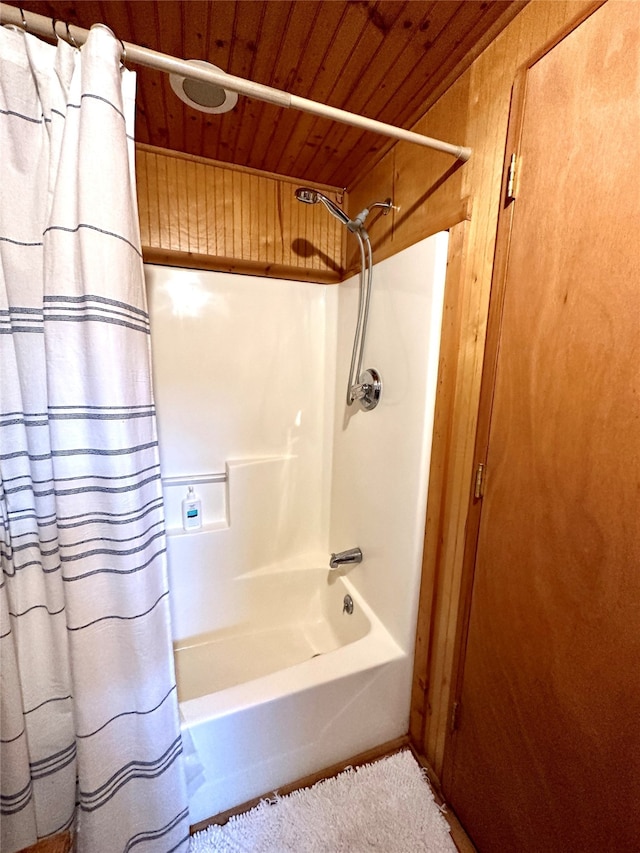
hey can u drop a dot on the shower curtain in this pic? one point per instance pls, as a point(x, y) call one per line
point(89, 728)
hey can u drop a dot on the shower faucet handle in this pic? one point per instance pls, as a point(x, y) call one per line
point(368, 390)
point(359, 392)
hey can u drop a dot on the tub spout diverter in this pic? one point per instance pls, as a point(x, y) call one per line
point(346, 558)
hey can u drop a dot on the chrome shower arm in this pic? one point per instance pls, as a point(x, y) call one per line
point(358, 221)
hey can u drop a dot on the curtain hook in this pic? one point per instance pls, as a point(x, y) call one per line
point(24, 22)
point(70, 36)
point(123, 58)
point(53, 26)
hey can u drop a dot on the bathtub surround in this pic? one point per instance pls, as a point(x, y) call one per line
point(386, 806)
point(88, 701)
point(256, 369)
point(381, 462)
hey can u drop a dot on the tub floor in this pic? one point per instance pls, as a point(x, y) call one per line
point(213, 665)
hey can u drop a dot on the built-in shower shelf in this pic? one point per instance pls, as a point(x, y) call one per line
point(211, 488)
point(206, 528)
point(194, 479)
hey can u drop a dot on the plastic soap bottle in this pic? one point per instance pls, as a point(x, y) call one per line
point(191, 511)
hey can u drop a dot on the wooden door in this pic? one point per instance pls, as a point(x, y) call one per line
point(545, 755)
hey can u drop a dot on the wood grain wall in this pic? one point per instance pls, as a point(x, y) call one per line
point(429, 191)
point(200, 213)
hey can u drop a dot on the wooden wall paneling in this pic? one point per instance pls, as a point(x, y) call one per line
point(260, 201)
point(143, 194)
point(254, 216)
point(473, 111)
point(178, 202)
point(195, 212)
point(292, 214)
point(220, 213)
point(278, 231)
point(148, 206)
point(379, 185)
point(233, 242)
point(296, 228)
point(266, 236)
point(192, 260)
point(426, 186)
point(168, 231)
point(273, 239)
point(166, 183)
point(200, 175)
point(458, 446)
point(315, 230)
point(208, 191)
point(308, 216)
point(245, 213)
point(284, 196)
point(235, 205)
point(438, 470)
point(158, 203)
point(304, 247)
point(193, 209)
point(275, 230)
point(284, 251)
point(154, 217)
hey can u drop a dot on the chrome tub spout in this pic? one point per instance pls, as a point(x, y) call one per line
point(346, 558)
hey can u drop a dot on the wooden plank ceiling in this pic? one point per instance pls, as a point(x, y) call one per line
point(387, 60)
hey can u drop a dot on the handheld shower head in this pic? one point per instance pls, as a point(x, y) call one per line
point(307, 195)
point(310, 196)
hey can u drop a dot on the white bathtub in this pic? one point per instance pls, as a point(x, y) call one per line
point(294, 687)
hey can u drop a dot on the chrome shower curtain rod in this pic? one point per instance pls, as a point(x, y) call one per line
point(45, 27)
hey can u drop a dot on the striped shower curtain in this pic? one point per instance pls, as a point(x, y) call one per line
point(89, 728)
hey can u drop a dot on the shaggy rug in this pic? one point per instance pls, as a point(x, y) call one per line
point(386, 806)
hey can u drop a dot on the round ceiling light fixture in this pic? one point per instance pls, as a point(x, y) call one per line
point(206, 97)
